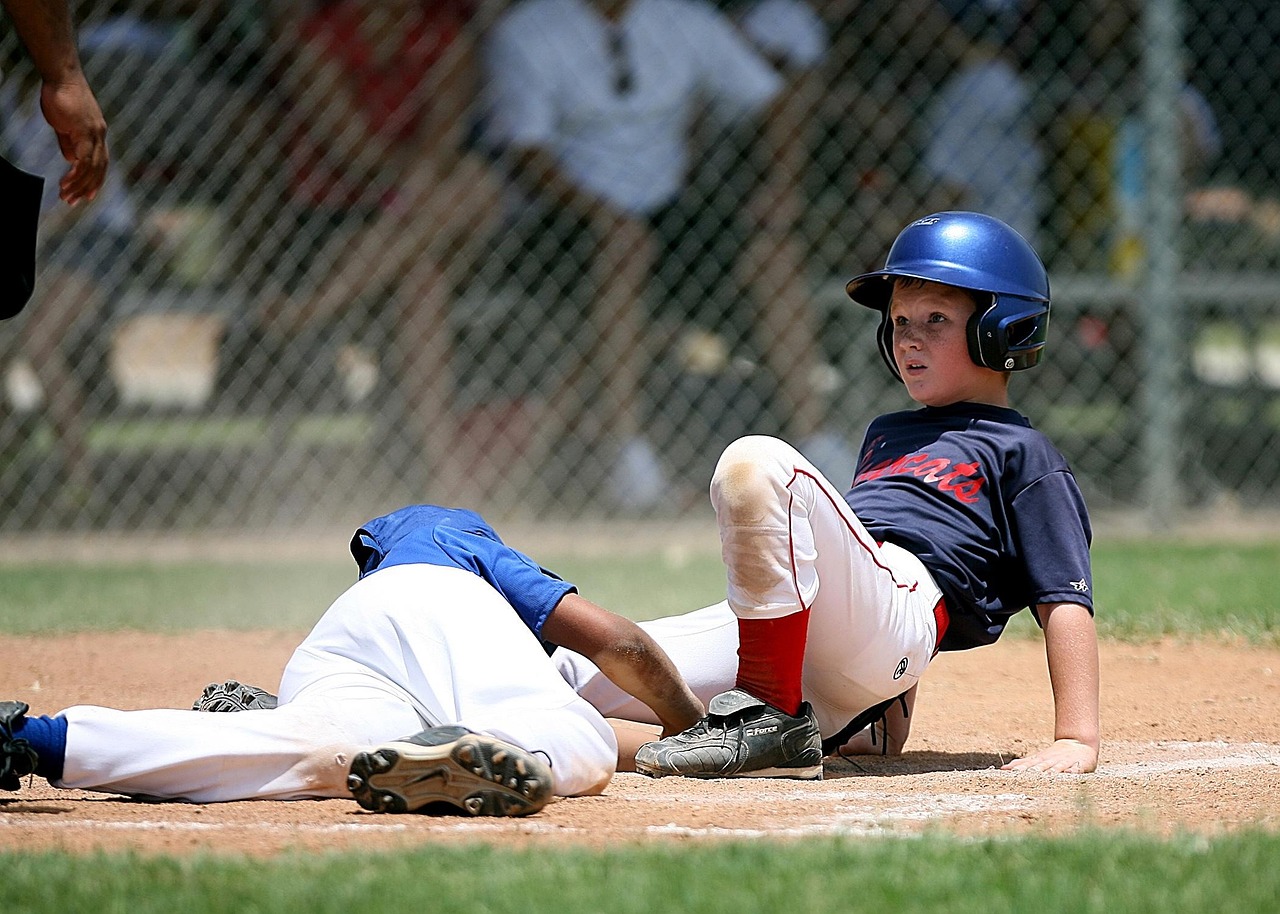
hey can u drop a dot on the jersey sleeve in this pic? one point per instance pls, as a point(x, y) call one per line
point(532, 590)
point(1051, 524)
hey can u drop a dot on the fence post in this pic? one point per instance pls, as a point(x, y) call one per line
point(1161, 315)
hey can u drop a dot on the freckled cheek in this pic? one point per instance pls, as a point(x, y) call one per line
point(921, 335)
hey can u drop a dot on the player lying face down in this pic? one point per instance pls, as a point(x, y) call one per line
point(445, 637)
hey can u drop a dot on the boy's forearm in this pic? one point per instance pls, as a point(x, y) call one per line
point(645, 671)
point(627, 656)
point(1071, 646)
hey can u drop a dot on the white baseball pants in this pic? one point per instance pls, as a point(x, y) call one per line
point(409, 647)
point(789, 541)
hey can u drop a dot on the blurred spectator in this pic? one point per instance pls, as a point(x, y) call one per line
point(1098, 136)
point(597, 103)
point(139, 53)
point(793, 38)
point(981, 136)
point(886, 61)
point(389, 203)
point(86, 254)
point(195, 118)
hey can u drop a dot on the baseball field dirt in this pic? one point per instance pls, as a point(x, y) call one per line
point(1191, 744)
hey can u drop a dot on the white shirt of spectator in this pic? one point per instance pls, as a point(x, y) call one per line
point(789, 31)
point(978, 136)
point(552, 82)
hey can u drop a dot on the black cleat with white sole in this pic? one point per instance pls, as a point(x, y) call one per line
point(741, 737)
point(476, 774)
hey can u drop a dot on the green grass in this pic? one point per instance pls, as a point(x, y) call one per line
point(1089, 872)
point(1153, 589)
point(1144, 589)
point(40, 597)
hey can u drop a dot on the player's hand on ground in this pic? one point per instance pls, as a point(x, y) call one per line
point(1063, 756)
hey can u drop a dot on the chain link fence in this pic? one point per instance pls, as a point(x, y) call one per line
point(357, 254)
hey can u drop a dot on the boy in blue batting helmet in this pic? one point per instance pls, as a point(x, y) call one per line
point(959, 516)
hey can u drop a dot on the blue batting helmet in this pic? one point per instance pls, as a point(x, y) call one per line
point(976, 252)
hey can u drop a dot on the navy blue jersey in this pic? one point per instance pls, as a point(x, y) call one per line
point(986, 502)
point(455, 537)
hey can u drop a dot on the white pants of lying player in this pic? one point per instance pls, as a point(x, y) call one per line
point(406, 648)
point(789, 540)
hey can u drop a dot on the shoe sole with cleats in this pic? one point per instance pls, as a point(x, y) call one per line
point(476, 774)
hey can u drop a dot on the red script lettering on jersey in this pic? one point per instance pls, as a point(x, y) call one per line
point(962, 481)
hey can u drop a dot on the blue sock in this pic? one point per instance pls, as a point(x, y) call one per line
point(48, 736)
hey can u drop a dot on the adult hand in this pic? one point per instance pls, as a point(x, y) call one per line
point(72, 111)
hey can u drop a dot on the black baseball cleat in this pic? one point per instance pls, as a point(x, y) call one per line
point(17, 758)
point(741, 737)
point(477, 774)
point(234, 696)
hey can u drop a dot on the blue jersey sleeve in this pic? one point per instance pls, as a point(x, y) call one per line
point(458, 538)
point(532, 590)
point(1051, 526)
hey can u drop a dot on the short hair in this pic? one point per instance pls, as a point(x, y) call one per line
point(976, 296)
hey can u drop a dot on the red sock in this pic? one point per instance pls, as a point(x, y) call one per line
point(770, 658)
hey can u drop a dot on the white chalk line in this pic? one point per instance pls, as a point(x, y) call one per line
point(1185, 756)
point(924, 807)
point(852, 812)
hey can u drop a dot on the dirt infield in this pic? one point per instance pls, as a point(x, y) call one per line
point(1191, 742)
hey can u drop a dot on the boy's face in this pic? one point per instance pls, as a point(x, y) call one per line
point(931, 350)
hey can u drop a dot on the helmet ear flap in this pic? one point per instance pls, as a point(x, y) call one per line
point(1009, 334)
point(974, 333)
point(884, 340)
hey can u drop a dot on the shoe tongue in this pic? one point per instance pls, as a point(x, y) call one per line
point(732, 702)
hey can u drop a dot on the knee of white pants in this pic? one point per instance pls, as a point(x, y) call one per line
point(765, 539)
point(595, 762)
point(748, 478)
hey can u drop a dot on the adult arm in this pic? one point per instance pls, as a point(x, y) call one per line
point(1071, 648)
point(65, 97)
point(626, 654)
point(793, 39)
